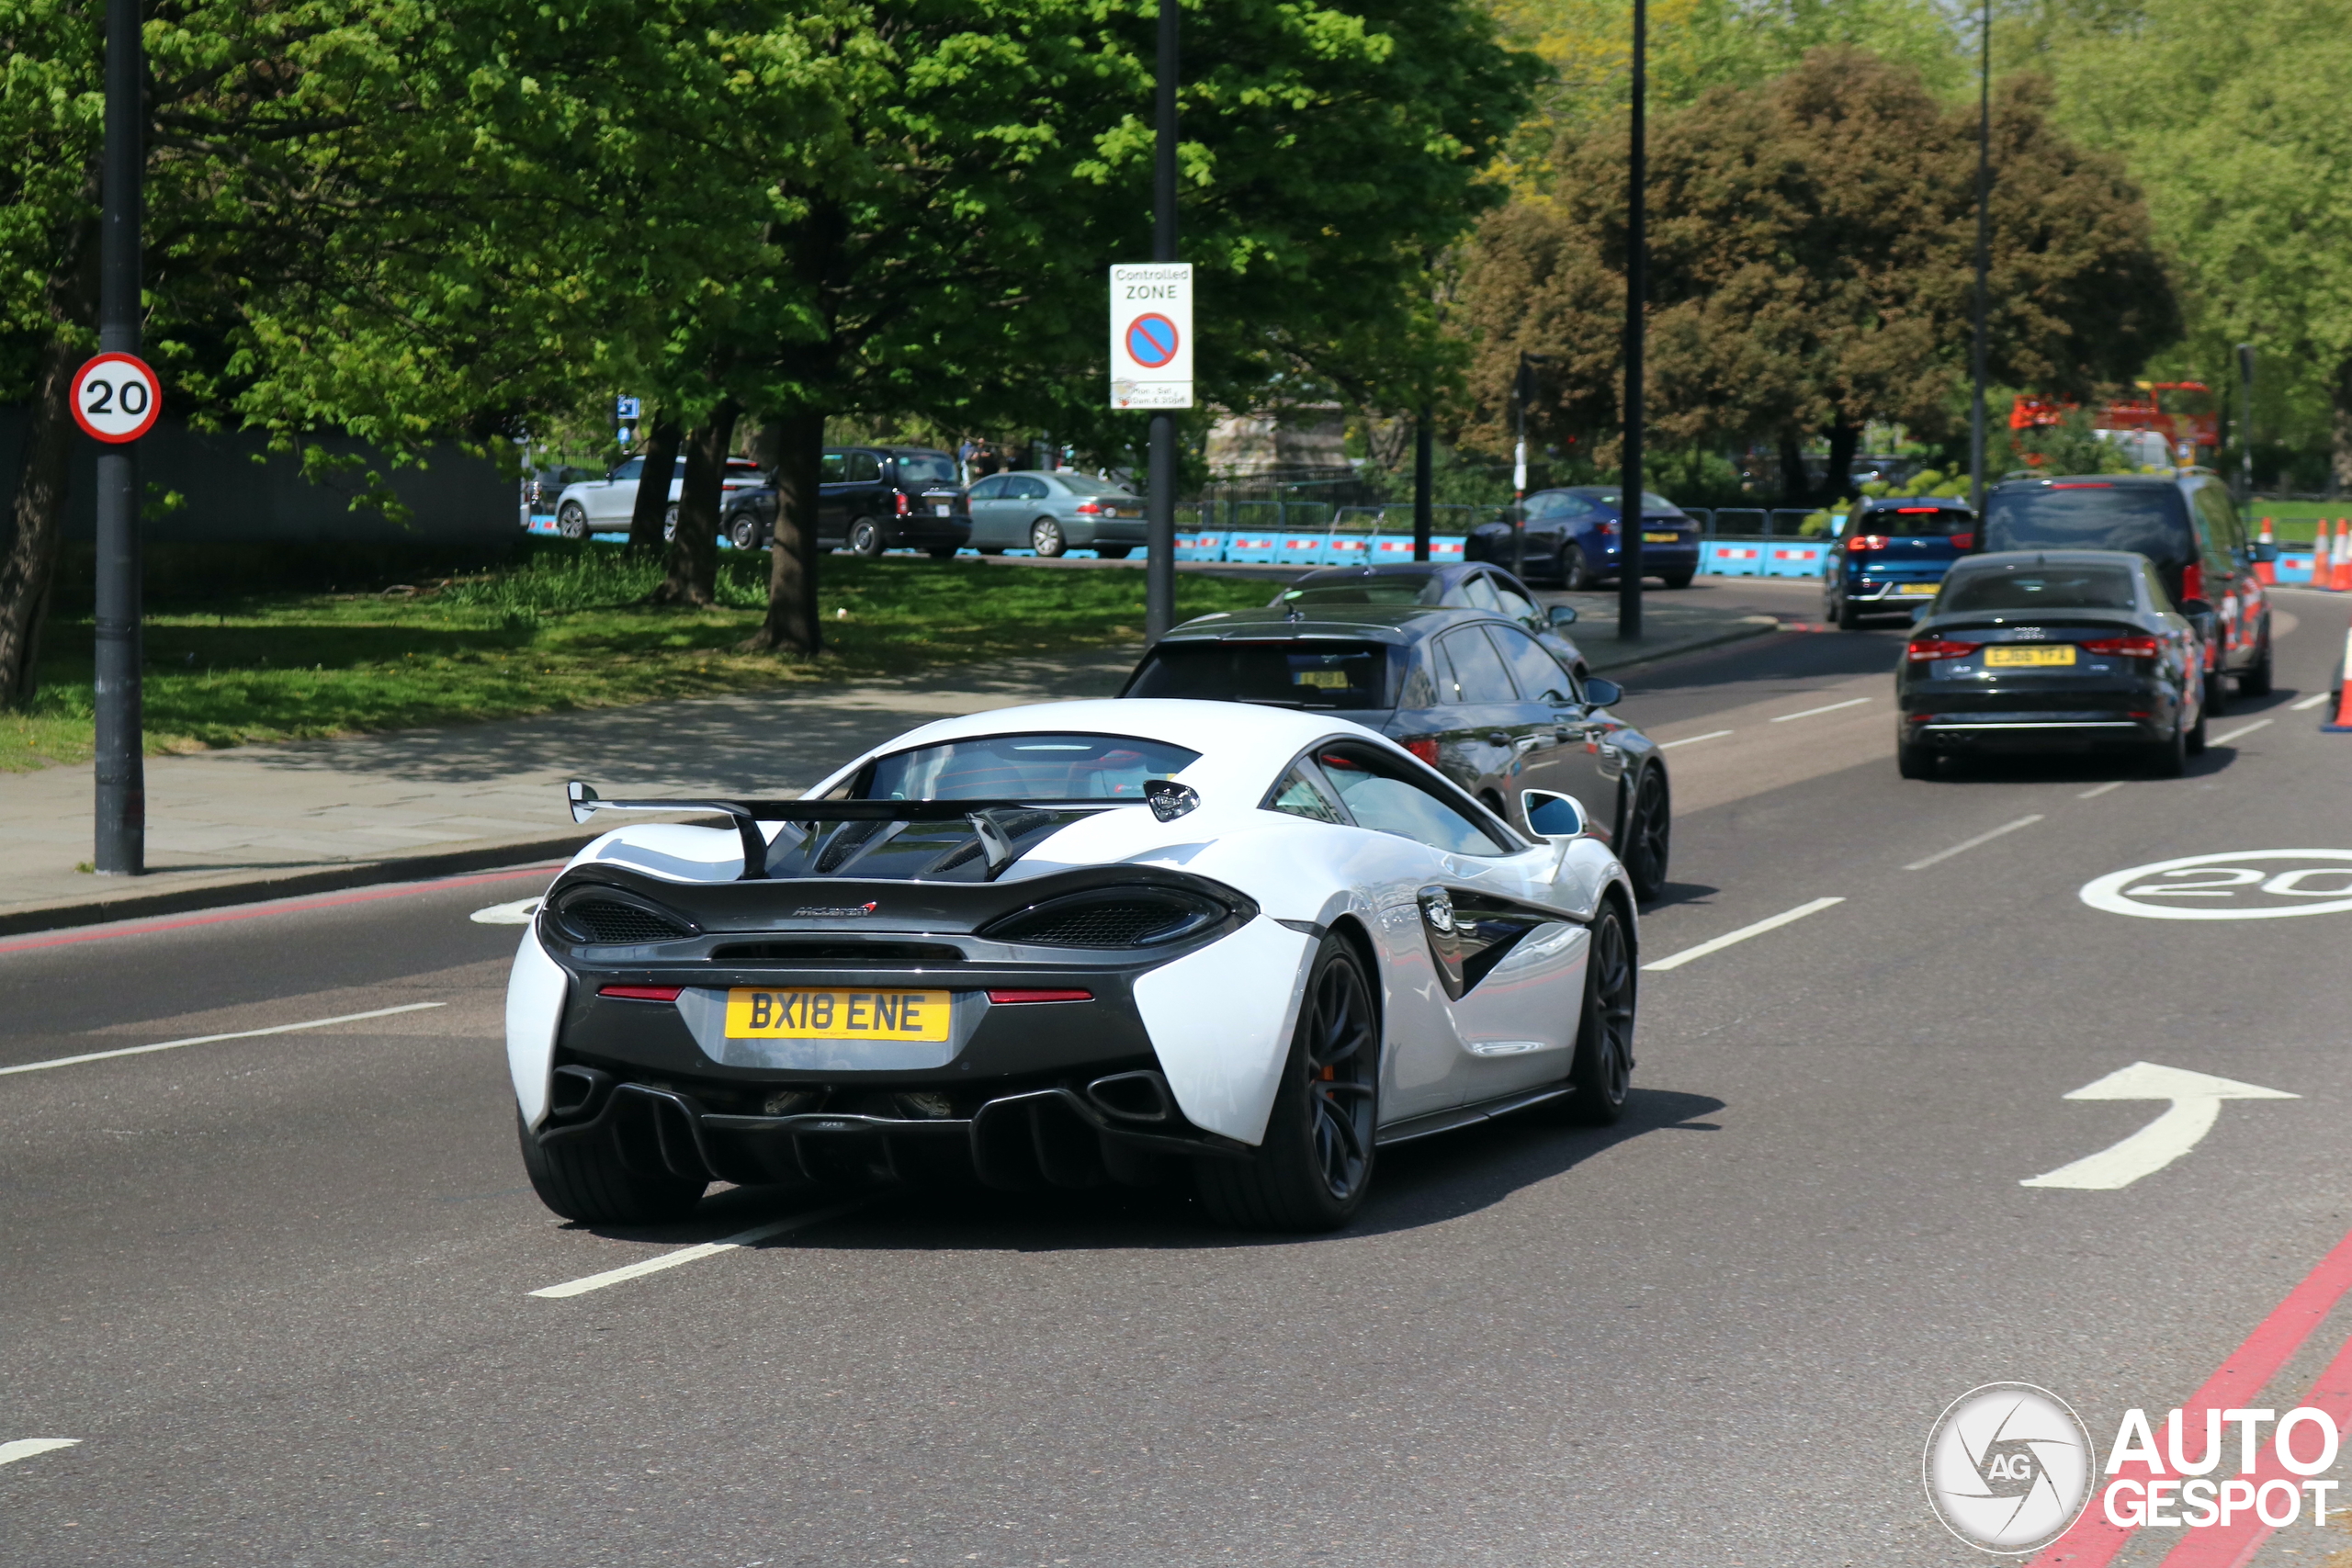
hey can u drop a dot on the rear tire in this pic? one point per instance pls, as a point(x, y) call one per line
point(2195, 745)
point(1574, 575)
point(1602, 1073)
point(1114, 552)
point(942, 552)
point(2217, 695)
point(583, 1179)
point(1849, 618)
point(865, 538)
point(1313, 1169)
point(1046, 538)
point(1649, 829)
point(2256, 681)
point(1914, 761)
point(573, 521)
point(2169, 759)
point(1678, 579)
point(744, 533)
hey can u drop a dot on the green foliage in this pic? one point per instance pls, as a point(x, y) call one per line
point(2066, 447)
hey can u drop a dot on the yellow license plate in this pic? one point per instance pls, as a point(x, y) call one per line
point(1661, 539)
point(2029, 658)
point(755, 1014)
point(1917, 588)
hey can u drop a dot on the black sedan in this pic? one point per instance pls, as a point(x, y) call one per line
point(2034, 650)
point(1472, 693)
point(1488, 588)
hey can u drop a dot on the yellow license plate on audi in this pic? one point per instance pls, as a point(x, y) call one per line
point(2047, 658)
point(755, 1014)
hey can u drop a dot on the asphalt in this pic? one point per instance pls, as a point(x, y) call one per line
point(277, 1287)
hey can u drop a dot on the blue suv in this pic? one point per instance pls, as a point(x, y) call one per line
point(1572, 538)
point(1892, 555)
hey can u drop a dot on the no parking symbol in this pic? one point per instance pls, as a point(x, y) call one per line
point(2237, 884)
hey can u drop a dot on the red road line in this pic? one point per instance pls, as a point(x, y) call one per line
point(2093, 1542)
point(285, 906)
point(2234, 1546)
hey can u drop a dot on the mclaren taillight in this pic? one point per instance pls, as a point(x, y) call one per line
point(640, 993)
point(1002, 998)
point(1862, 543)
point(1425, 748)
point(2124, 647)
point(1924, 648)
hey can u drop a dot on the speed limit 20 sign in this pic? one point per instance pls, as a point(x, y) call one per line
point(116, 398)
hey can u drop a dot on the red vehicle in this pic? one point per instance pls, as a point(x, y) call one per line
point(2186, 413)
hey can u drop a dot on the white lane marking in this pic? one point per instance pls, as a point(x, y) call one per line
point(1758, 929)
point(692, 1254)
point(2094, 794)
point(2311, 702)
point(1692, 739)
point(2195, 1106)
point(25, 1448)
point(1972, 844)
point(209, 1038)
point(1833, 707)
point(518, 913)
point(2240, 730)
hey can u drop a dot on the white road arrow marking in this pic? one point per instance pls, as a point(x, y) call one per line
point(25, 1448)
point(518, 913)
point(2195, 1106)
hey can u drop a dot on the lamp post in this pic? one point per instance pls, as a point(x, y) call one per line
point(121, 806)
point(1159, 547)
point(1424, 459)
point(2245, 422)
point(1522, 390)
point(1984, 259)
point(1629, 507)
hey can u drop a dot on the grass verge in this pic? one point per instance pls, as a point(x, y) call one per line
point(563, 630)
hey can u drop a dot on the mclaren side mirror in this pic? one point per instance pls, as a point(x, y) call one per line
point(1602, 694)
point(1561, 615)
point(1553, 816)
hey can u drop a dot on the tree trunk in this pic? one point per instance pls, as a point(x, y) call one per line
point(653, 490)
point(1796, 488)
point(693, 560)
point(29, 569)
point(2340, 425)
point(1845, 440)
point(796, 444)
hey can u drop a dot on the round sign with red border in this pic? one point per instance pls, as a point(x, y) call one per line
point(116, 398)
point(1151, 340)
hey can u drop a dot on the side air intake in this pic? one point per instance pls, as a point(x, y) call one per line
point(605, 916)
point(1110, 918)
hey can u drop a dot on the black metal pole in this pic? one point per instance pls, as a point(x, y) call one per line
point(121, 825)
point(1424, 480)
point(1159, 549)
point(1519, 472)
point(2245, 422)
point(1984, 259)
point(1629, 509)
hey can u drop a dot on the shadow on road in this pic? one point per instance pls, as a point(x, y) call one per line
point(2102, 767)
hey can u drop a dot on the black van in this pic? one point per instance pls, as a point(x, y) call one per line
point(2185, 524)
point(870, 499)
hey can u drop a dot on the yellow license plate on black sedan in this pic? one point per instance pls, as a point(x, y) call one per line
point(755, 1014)
point(2054, 656)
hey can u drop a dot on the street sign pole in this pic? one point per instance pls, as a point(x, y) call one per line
point(1629, 501)
point(121, 825)
point(1983, 264)
point(1159, 547)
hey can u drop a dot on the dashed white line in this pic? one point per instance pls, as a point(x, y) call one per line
point(1692, 739)
point(209, 1038)
point(2094, 794)
point(1833, 707)
point(1972, 844)
point(2311, 702)
point(25, 1448)
point(2240, 730)
point(1758, 929)
point(581, 1287)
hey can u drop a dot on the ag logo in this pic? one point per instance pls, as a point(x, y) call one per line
point(2009, 1466)
point(2238, 885)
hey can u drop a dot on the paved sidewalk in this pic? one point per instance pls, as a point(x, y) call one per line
point(269, 821)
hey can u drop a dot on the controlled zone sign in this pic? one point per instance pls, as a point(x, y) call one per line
point(1151, 336)
point(116, 398)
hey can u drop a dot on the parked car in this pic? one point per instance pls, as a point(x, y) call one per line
point(1062, 946)
point(1891, 554)
point(2185, 524)
point(1456, 587)
point(1572, 538)
point(1055, 511)
point(2038, 650)
point(870, 499)
point(1472, 693)
point(546, 483)
point(605, 504)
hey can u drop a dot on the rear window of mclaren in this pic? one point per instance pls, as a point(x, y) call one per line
point(1025, 767)
point(1301, 673)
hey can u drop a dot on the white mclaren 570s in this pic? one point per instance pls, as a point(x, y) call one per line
point(1053, 946)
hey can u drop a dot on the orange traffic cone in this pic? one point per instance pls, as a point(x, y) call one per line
point(2343, 725)
point(2339, 577)
point(2264, 571)
point(2319, 553)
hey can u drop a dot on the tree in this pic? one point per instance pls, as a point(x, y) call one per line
point(1811, 258)
point(2231, 118)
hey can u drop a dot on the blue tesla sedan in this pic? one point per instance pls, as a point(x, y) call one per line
point(1575, 538)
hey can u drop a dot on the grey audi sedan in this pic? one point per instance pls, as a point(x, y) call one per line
point(1055, 511)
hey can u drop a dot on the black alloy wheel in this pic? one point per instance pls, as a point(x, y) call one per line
point(573, 521)
point(865, 538)
point(1046, 538)
point(1574, 575)
point(670, 522)
point(1649, 830)
point(1602, 1073)
point(1315, 1165)
point(743, 533)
